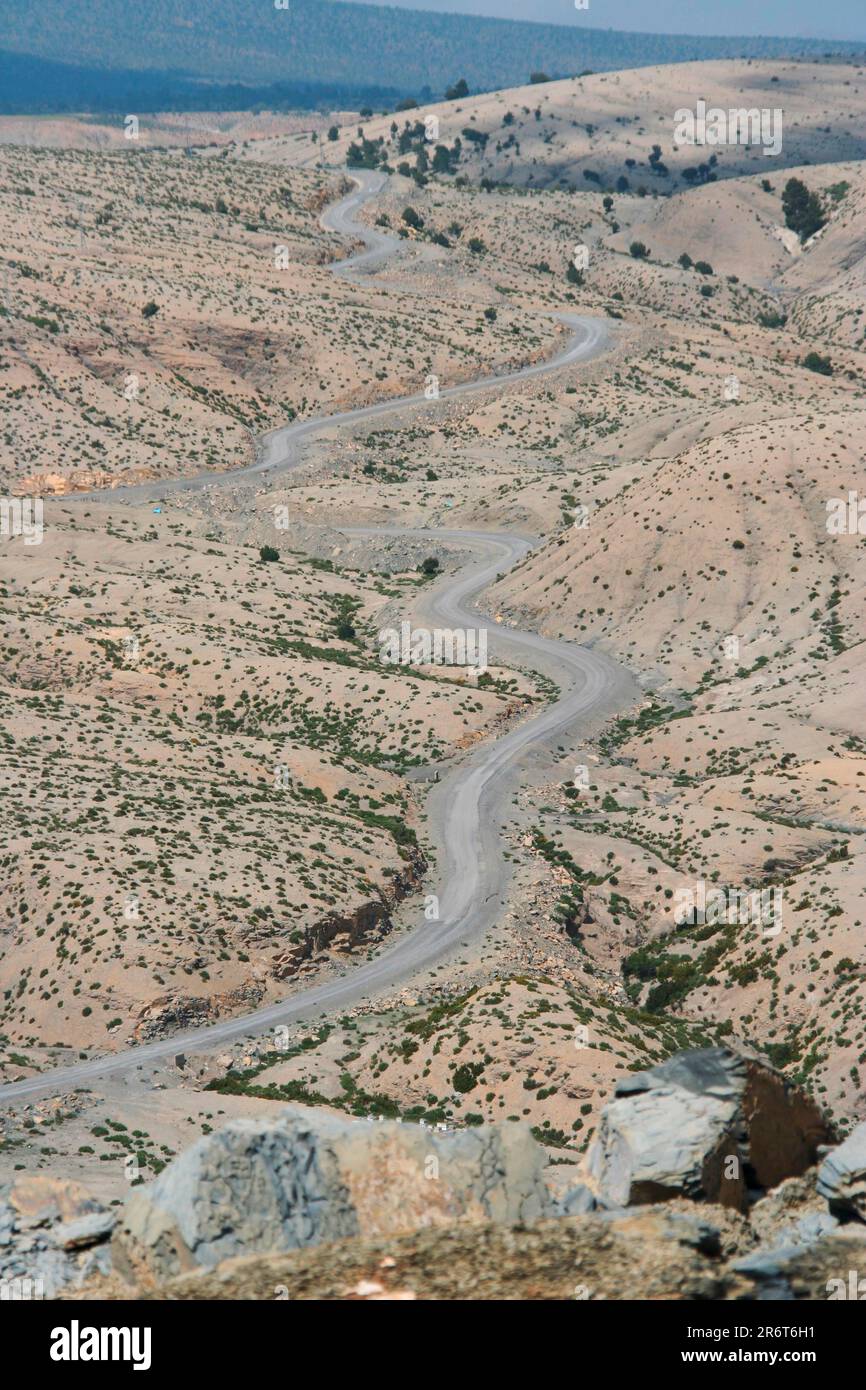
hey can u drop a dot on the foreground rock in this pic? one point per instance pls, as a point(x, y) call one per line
point(647, 1253)
point(651, 1253)
point(307, 1178)
point(311, 1205)
point(708, 1125)
point(842, 1177)
point(52, 1236)
point(673, 1251)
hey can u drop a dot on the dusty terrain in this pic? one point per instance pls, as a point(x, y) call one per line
point(158, 309)
point(593, 130)
point(198, 130)
point(704, 564)
point(217, 773)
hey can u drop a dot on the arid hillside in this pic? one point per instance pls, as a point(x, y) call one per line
point(158, 309)
point(604, 127)
point(200, 130)
point(677, 489)
point(203, 793)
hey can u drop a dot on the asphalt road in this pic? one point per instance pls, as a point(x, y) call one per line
point(469, 806)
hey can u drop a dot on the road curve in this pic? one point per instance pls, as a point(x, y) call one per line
point(276, 450)
point(468, 807)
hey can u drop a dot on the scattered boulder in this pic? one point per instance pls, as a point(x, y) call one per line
point(842, 1177)
point(306, 1177)
point(84, 1231)
point(38, 1200)
point(53, 1235)
point(709, 1125)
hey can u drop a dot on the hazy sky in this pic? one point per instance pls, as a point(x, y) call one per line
point(827, 19)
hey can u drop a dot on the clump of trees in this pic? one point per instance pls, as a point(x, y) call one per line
point(702, 173)
point(803, 211)
point(816, 363)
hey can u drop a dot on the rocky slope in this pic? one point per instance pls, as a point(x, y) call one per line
point(711, 1178)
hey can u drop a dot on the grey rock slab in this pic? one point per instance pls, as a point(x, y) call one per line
point(306, 1178)
point(84, 1230)
point(842, 1176)
point(706, 1124)
point(650, 1146)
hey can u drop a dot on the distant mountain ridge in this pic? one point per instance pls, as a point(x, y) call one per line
point(316, 49)
point(39, 86)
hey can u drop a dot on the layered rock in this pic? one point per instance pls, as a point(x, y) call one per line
point(708, 1125)
point(842, 1177)
point(53, 1235)
point(307, 1178)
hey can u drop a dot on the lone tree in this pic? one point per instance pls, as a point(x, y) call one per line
point(268, 553)
point(639, 251)
point(802, 209)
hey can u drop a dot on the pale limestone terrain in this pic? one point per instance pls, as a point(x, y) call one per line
point(164, 129)
point(607, 124)
point(706, 521)
point(156, 310)
point(155, 679)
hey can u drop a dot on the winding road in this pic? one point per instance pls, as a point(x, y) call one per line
point(468, 808)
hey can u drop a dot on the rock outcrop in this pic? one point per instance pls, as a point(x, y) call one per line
point(52, 1236)
point(653, 1253)
point(709, 1125)
point(350, 931)
point(308, 1178)
point(309, 1204)
point(842, 1177)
